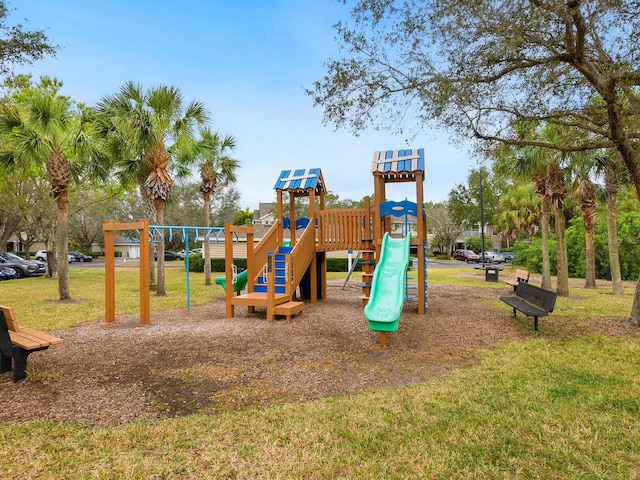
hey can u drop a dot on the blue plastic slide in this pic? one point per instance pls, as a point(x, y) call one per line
point(387, 289)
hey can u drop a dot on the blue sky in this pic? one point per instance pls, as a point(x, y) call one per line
point(248, 61)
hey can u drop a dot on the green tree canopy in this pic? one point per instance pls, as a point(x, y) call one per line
point(19, 46)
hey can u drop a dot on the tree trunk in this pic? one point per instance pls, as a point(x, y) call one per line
point(150, 212)
point(614, 256)
point(160, 291)
point(545, 229)
point(62, 203)
point(562, 286)
point(634, 320)
point(590, 257)
point(589, 219)
point(207, 252)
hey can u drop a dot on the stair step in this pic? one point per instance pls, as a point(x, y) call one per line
point(289, 308)
point(263, 288)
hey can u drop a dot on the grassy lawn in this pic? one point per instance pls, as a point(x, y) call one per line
point(560, 408)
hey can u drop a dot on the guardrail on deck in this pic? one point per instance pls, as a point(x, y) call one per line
point(343, 229)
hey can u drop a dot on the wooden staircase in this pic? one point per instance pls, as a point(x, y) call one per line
point(278, 302)
point(282, 269)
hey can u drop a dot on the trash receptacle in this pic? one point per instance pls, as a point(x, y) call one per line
point(491, 274)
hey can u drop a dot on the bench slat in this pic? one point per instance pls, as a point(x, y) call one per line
point(524, 307)
point(27, 341)
point(10, 318)
point(521, 276)
point(45, 337)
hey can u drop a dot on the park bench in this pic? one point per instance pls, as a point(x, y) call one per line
point(521, 276)
point(532, 301)
point(18, 342)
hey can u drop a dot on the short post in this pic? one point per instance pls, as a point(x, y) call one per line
point(271, 287)
point(383, 339)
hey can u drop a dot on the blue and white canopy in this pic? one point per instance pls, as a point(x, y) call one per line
point(399, 162)
point(301, 180)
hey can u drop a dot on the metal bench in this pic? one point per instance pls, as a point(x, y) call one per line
point(18, 342)
point(532, 301)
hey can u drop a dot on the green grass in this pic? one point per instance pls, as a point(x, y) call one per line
point(35, 300)
point(545, 408)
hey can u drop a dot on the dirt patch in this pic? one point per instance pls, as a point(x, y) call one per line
point(199, 361)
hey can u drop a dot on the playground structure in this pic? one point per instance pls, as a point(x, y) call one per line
point(277, 267)
point(275, 270)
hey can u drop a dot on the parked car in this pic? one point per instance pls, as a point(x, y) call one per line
point(41, 255)
point(493, 257)
point(7, 273)
point(466, 256)
point(508, 256)
point(169, 255)
point(22, 267)
point(81, 257)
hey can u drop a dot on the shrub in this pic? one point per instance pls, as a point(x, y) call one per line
point(196, 263)
point(341, 265)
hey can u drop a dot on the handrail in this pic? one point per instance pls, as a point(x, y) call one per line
point(301, 256)
point(268, 243)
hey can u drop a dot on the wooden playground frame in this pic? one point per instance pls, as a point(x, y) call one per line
point(110, 227)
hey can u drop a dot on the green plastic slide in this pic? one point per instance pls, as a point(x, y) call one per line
point(387, 289)
point(240, 285)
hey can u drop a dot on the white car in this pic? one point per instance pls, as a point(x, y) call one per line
point(42, 256)
point(494, 257)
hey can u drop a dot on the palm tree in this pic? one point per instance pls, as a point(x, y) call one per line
point(217, 169)
point(542, 165)
point(610, 167)
point(149, 132)
point(532, 163)
point(43, 128)
point(557, 187)
point(242, 217)
point(519, 212)
point(584, 192)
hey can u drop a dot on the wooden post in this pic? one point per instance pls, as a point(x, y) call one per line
point(228, 267)
point(109, 272)
point(271, 286)
point(279, 216)
point(422, 235)
point(145, 309)
point(251, 273)
point(383, 339)
point(109, 227)
point(379, 194)
point(292, 220)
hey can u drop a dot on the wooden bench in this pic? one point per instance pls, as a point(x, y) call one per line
point(532, 301)
point(521, 276)
point(17, 342)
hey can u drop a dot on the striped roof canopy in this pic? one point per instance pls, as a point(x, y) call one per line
point(398, 163)
point(301, 181)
